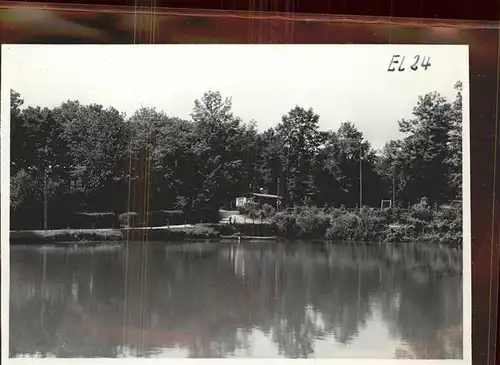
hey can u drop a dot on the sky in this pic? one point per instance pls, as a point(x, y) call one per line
point(340, 82)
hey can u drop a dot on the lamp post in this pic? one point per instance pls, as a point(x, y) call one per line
point(360, 178)
point(47, 168)
point(393, 203)
point(278, 194)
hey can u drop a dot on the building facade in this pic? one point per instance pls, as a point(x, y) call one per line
point(260, 199)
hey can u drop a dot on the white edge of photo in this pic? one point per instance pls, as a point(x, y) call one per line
point(458, 54)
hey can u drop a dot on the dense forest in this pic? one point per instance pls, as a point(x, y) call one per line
point(88, 158)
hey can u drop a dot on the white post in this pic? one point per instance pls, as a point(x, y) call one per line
point(45, 198)
point(393, 187)
point(360, 178)
point(278, 194)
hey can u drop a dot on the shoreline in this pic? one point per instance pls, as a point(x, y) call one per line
point(107, 235)
point(187, 233)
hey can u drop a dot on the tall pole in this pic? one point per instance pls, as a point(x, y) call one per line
point(45, 199)
point(360, 179)
point(393, 203)
point(278, 194)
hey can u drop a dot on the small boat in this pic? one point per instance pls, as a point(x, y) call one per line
point(249, 238)
point(257, 238)
point(232, 237)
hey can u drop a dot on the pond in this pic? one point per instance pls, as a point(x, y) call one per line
point(258, 299)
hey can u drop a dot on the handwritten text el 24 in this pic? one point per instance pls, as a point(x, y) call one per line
point(401, 63)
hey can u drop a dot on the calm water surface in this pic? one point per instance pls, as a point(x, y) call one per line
point(262, 300)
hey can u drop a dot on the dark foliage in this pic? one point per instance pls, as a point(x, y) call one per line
point(166, 217)
point(87, 158)
point(95, 220)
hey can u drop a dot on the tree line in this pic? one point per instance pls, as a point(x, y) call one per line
point(88, 158)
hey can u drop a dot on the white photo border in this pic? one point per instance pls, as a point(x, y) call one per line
point(6, 82)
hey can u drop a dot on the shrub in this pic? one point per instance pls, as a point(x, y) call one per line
point(66, 235)
point(395, 215)
point(286, 224)
point(267, 211)
point(312, 223)
point(306, 222)
point(98, 236)
point(166, 217)
point(249, 208)
point(95, 220)
point(199, 232)
point(421, 213)
point(254, 214)
point(365, 225)
point(395, 224)
point(371, 226)
point(446, 227)
point(396, 233)
point(336, 231)
point(337, 213)
point(343, 227)
point(174, 234)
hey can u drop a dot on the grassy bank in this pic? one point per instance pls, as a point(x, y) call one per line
point(65, 235)
point(84, 236)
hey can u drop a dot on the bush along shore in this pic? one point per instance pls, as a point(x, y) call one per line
point(420, 223)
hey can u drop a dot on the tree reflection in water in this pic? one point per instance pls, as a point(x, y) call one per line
point(250, 300)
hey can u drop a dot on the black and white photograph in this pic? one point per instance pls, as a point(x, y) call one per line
point(236, 201)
